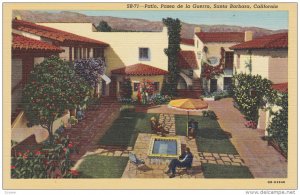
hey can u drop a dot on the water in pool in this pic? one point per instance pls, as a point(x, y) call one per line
point(165, 147)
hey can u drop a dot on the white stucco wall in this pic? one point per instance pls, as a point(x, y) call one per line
point(65, 55)
point(124, 46)
point(270, 64)
point(278, 70)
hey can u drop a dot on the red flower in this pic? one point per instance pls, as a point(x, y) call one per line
point(12, 167)
point(38, 153)
point(25, 156)
point(70, 145)
point(45, 162)
point(74, 172)
point(20, 154)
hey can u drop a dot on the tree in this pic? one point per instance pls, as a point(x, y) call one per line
point(126, 88)
point(174, 29)
point(278, 129)
point(90, 70)
point(103, 27)
point(52, 89)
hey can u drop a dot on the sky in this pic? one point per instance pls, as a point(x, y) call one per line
point(273, 20)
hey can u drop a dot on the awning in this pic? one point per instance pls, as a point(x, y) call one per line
point(106, 79)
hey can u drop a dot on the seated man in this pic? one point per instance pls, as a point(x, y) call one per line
point(156, 127)
point(186, 161)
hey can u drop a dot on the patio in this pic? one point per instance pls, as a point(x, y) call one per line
point(223, 157)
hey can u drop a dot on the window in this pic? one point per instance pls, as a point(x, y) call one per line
point(136, 86)
point(84, 52)
point(229, 59)
point(75, 53)
point(144, 54)
point(98, 53)
point(227, 83)
point(156, 86)
point(88, 52)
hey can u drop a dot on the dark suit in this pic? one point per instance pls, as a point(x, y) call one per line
point(187, 160)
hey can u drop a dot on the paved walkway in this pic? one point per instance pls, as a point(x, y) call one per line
point(169, 123)
point(263, 160)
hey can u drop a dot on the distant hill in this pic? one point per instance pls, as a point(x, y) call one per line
point(128, 24)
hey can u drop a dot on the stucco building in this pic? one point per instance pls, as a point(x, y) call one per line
point(266, 56)
point(208, 47)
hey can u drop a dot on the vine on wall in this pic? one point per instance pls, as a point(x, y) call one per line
point(174, 29)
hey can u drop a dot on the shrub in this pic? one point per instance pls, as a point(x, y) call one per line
point(159, 99)
point(127, 101)
point(251, 93)
point(217, 95)
point(210, 114)
point(278, 129)
point(52, 161)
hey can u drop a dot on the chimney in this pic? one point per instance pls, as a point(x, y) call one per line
point(197, 29)
point(248, 35)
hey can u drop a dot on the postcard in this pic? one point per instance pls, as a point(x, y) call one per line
point(150, 96)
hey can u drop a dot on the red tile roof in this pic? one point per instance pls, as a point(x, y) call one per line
point(187, 60)
point(187, 41)
point(206, 37)
point(139, 70)
point(281, 87)
point(274, 41)
point(20, 42)
point(54, 34)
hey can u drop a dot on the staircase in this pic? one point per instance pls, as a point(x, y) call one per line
point(195, 92)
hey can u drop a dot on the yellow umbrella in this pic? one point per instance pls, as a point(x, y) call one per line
point(188, 105)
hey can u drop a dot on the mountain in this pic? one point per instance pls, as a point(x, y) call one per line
point(129, 24)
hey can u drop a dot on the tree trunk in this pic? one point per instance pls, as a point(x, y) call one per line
point(96, 93)
point(50, 131)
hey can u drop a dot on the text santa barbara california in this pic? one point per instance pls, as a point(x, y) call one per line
point(245, 6)
point(204, 6)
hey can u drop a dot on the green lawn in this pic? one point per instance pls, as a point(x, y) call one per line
point(225, 171)
point(125, 129)
point(210, 137)
point(95, 166)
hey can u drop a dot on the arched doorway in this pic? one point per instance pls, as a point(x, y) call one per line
point(181, 83)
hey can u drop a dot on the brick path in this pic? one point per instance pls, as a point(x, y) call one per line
point(87, 132)
point(263, 160)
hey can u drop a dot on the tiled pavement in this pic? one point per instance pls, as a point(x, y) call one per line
point(262, 160)
point(221, 159)
point(169, 122)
